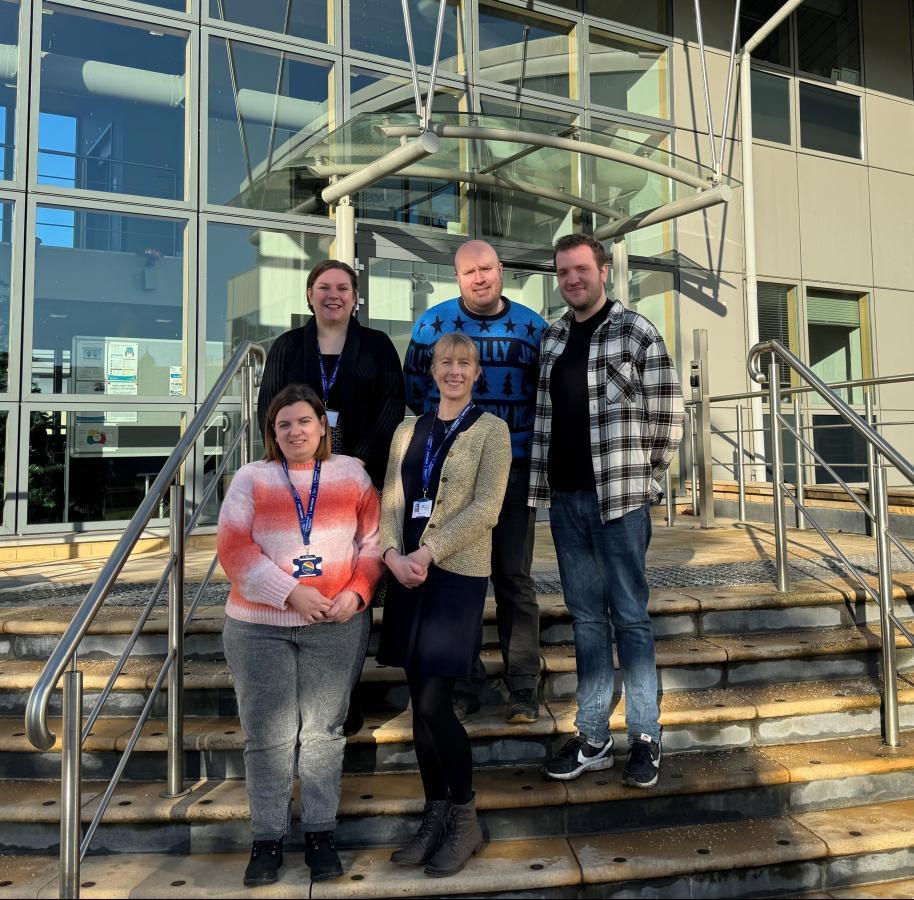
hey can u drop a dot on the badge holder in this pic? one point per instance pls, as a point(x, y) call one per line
point(307, 566)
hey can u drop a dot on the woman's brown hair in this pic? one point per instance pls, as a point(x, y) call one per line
point(294, 393)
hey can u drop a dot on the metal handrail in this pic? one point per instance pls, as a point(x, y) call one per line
point(74, 842)
point(36, 716)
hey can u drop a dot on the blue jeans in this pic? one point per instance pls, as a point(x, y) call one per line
point(293, 688)
point(602, 566)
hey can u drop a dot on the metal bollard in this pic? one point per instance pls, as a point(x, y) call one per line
point(71, 783)
point(175, 763)
point(884, 562)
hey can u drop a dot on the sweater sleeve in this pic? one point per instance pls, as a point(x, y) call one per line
point(388, 406)
point(274, 378)
point(463, 529)
point(391, 530)
point(248, 568)
point(368, 565)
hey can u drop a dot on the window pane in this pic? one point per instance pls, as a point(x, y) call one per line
point(6, 256)
point(770, 107)
point(628, 74)
point(835, 339)
point(298, 18)
point(774, 321)
point(109, 304)
point(776, 47)
point(517, 49)
point(255, 286)
point(95, 464)
point(112, 106)
point(377, 27)
point(9, 36)
point(648, 14)
point(828, 39)
point(829, 121)
point(251, 131)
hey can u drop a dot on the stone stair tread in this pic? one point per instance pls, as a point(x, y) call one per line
point(876, 827)
point(899, 889)
point(691, 849)
point(502, 788)
point(24, 875)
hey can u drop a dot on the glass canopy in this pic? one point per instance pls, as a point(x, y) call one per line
point(545, 167)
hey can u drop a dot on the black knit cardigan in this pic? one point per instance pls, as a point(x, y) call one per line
point(369, 393)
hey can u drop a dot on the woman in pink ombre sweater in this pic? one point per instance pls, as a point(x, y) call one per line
point(298, 539)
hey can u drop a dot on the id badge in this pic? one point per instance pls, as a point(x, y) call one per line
point(332, 417)
point(307, 566)
point(422, 509)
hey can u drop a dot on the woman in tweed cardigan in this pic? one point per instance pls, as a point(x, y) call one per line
point(445, 483)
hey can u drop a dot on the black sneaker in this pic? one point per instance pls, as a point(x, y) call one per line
point(643, 767)
point(465, 705)
point(266, 858)
point(577, 756)
point(321, 856)
point(523, 708)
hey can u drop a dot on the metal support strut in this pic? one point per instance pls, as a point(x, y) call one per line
point(71, 782)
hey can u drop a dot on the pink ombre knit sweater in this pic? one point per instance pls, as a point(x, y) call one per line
point(259, 536)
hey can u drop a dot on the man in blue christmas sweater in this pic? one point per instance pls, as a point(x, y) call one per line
point(508, 336)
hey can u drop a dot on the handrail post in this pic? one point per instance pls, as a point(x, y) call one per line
point(693, 462)
point(70, 782)
point(886, 611)
point(777, 478)
point(247, 412)
point(740, 465)
point(870, 525)
point(800, 483)
point(175, 762)
point(702, 396)
point(670, 504)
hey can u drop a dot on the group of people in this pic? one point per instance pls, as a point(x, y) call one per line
point(582, 416)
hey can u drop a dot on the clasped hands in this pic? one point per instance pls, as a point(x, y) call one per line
point(410, 570)
point(314, 607)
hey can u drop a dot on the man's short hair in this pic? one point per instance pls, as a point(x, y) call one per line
point(570, 241)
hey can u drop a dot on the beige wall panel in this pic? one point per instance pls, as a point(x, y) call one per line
point(893, 312)
point(889, 133)
point(892, 204)
point(887, 47)
point(716, 22)
point(688, 90)
point(777, 213)
point(834, 221)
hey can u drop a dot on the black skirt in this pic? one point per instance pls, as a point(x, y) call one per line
point(434, 629)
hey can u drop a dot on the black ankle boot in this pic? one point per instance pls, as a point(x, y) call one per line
point(266, 858)
point(427, 839)
point(462, 838)
point(321, 856)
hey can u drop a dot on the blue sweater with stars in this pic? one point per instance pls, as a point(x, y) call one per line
point(508, 351)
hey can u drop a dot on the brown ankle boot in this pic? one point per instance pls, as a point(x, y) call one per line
point(462, 838)
point(427, 839)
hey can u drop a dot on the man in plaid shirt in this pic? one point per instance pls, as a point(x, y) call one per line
point(608, 420)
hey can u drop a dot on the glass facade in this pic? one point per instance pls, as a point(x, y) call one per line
point(152, 215)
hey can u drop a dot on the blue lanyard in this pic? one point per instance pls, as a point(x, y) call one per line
point(431, 458)
point(305, 521)
point(327, 383)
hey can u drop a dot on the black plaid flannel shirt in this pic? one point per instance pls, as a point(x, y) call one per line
point(636, 408)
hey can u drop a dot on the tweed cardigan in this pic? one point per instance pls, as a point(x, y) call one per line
point(473, 481)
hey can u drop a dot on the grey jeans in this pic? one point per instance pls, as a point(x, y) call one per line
point(293, 684)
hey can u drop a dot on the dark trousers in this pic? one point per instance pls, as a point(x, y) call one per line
point(515, 596)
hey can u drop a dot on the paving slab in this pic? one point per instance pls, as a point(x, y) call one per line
point(686, 850)
point(875, 828)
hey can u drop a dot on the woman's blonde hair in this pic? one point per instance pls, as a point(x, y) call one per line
point(454, 340)
point(294, 393)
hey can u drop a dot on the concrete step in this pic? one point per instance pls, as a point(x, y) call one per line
point(683, 664)
point(782, 855)
point(31, 632)
point(722, 718)
point(695, 788)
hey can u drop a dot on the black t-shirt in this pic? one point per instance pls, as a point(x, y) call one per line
point(570, 460)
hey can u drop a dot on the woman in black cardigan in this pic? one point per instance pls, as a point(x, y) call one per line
point(354, 370)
